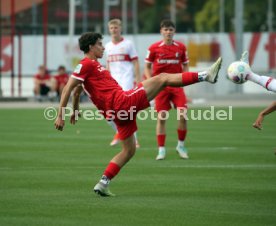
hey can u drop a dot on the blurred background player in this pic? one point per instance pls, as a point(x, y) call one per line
point(122, 62)
point(60, 80)
point(267, 82)
point(43, 83)
point(168, 56)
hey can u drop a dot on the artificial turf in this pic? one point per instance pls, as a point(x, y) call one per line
point(47, 176)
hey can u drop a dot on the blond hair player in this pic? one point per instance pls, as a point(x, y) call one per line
point(122, 62)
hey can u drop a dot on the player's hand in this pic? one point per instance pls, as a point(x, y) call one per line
point(257, 126)
point(258, 123)
point(74, 118)
point(59, 123)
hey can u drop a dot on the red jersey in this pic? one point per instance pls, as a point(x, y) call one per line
point(62, 79)
point(43, 79)
point(98, 83)
point(167, 58)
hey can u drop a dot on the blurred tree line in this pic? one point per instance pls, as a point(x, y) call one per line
point(191, 16)
point(203, 15)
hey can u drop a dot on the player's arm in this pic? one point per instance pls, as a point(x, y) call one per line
point(76, 104)
point(107, 66)
point(148, 73)
point(137, 70)
point(185, 67)
point(66, 92)
point(258, 123)
point(37, 81)
point(150, 57)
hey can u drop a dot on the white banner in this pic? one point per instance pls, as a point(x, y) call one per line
point(202, 48)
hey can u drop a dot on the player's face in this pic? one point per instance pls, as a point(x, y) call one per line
point(114, 30)
point(61, 71)
point(167, 32)
point(98, 49)
point(42, 70)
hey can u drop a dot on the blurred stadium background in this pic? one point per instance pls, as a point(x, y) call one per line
point(37, 32)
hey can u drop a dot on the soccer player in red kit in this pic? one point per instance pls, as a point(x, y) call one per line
point(61, 79)
point(109, 97)
point(168, 56)
point(43, 83)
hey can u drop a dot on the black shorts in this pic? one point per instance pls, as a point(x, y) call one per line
point(44, 90)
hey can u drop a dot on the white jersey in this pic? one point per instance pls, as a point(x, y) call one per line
point(119, 58)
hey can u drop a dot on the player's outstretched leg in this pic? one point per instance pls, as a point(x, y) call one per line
point(155, 84)
point(265, 81)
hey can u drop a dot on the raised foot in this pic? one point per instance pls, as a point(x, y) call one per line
point(213, 71)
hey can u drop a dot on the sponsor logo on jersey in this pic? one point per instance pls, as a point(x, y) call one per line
point(177, 54)
point(118, 57)
point(168, 61)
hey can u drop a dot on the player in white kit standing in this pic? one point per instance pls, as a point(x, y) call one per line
point(122, 62)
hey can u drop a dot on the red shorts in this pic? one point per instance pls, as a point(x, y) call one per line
point(170, 95)
point(131, 101)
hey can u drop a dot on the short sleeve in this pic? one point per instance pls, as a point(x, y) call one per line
point(150, 55)
point(80, 72)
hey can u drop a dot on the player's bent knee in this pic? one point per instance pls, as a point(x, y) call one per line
point(162, 79)
point(162, 117)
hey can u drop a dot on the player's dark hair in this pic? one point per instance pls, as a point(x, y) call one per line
point(167, 23)
point(61, 67)
point(87, 39)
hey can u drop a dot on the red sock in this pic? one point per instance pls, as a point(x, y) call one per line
point(111, 170)
point(161, 140)
point(189, 78)
point(181, 134)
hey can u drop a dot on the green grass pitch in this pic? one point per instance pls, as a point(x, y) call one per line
point(46, 176)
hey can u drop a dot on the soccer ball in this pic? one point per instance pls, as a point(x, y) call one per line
point(238, 72)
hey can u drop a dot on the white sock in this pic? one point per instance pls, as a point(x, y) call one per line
point(104, 180)
point(161, 149)
point(202, 76)
point(272, 85)
point(263, 81)
point(113, 125)
point(180, 143)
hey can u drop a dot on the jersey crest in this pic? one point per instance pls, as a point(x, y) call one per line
point(78, 69)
